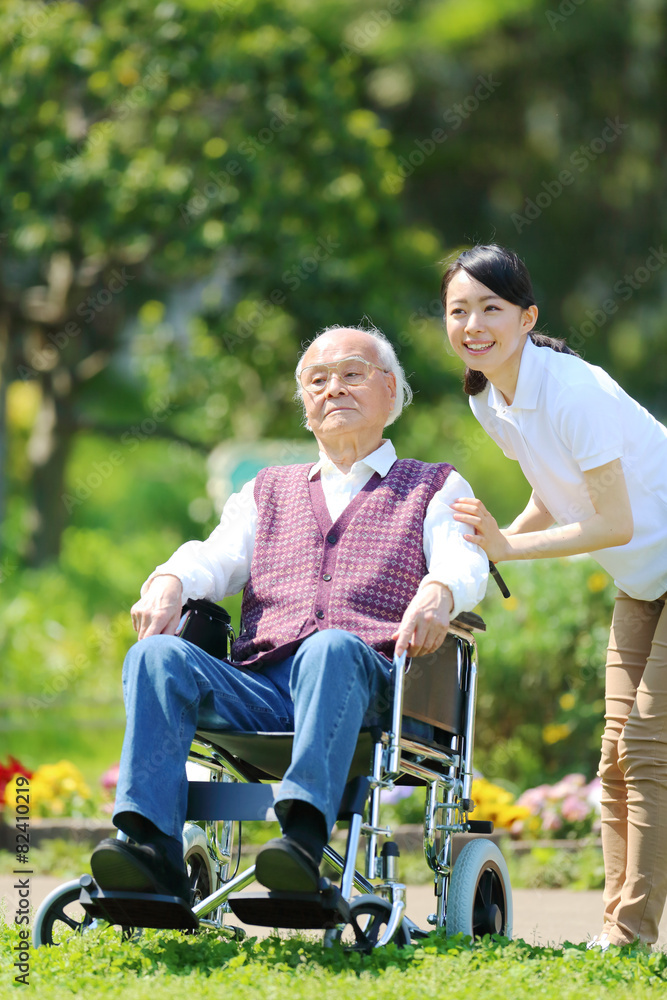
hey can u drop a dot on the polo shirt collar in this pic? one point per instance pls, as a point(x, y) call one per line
point(531, 370)
point(380, 460)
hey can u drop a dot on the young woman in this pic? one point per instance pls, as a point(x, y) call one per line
point(597, 464)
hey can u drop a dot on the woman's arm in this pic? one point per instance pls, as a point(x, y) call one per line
point(610, 525)
point(535, 517)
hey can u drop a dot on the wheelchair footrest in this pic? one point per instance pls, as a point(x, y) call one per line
point(298, 910)
point(137, 909)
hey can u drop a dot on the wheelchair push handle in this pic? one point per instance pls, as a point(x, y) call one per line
point(495, 573)
point(394, 749)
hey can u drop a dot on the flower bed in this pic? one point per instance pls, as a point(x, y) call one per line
point(569, 810)
point(566, 810)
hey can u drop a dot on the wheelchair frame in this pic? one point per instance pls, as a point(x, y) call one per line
point(478, 901)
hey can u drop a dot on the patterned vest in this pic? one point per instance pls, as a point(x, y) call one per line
point(358, 574)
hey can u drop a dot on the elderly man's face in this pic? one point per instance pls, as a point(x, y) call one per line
point(343, 409)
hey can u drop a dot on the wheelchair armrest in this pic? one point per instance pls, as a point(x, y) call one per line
point(470, 621)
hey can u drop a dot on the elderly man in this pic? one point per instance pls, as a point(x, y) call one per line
point(340, 562)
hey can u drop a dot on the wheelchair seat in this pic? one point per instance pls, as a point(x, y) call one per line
point(267, 756)
point(435, 697)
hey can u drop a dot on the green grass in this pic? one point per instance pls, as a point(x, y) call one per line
point(164, 964)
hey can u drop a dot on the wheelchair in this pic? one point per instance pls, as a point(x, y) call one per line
point(367, 909)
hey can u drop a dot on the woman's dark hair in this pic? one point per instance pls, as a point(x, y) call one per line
point(506, 275)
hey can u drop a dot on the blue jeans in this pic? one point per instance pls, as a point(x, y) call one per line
point(332, 686)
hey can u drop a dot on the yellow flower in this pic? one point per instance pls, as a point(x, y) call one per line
point(555, 732)
point(567, 701)
point(494, 803)
point(56, 789)
point(508, 815)
point(11, 790)
point(597, 582)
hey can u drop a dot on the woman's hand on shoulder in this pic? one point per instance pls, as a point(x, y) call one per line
point(487, 534)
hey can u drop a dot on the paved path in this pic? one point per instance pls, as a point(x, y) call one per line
point(541, 916)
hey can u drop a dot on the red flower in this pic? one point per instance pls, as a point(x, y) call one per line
point(7, 773)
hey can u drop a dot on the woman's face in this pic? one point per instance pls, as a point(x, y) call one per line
point(488, 332)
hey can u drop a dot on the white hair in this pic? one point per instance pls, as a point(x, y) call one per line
point(386, 356)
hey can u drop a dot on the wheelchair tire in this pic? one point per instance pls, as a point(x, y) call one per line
point(60, 916)
point(479, 901)
point(372, 913)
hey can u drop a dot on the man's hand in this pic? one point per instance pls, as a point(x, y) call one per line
point(158, 612)
point(425, 622)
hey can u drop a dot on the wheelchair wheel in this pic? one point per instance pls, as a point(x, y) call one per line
point(480, 895)
point(372, 913)
point(60, 916)
point(198, 875)
point(198, 863)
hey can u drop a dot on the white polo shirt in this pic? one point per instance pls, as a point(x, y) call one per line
point(567, 418)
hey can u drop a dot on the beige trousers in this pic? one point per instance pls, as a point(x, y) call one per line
point(633, 771)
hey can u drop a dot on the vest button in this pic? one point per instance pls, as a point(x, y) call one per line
point(327, 577)
point(332, 539)
point(319, 614)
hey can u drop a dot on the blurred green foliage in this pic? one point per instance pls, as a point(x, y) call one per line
point(553, 868)
point(540, 706)
point(189, 190)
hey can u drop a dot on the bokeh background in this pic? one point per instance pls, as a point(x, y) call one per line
point(189, 190)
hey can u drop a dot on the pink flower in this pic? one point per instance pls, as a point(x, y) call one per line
point(569, 785)
point(575, 809)
point(110, 777)
point(551, 821)
point(534, 798)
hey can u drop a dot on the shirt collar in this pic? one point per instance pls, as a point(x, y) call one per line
point(531, 369)
point(380, 460)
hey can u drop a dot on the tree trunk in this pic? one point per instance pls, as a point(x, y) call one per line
point(48, 451)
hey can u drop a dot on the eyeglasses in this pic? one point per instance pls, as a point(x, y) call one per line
point(352, 371)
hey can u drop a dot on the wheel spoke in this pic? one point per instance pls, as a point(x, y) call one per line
point(489, 898)
point(372, 914)
point(59, 912)
point(66, 919)
point(373, 930)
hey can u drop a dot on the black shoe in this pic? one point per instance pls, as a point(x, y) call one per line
point(138, 868)
point(284, 864)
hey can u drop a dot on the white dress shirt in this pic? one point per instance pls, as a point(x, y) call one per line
point(569, 417)
point(220, 566)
